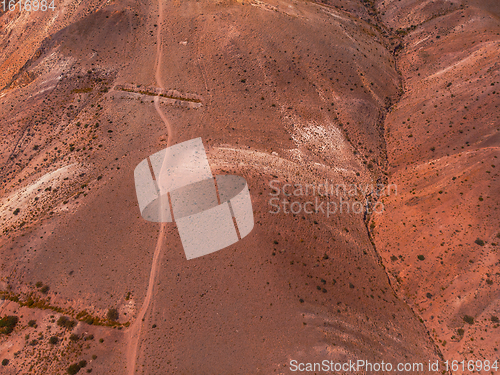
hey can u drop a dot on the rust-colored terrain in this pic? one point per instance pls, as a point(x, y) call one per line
point(443, 141)
point(350, 92)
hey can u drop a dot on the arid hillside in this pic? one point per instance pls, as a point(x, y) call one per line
point(349, 92)
point(440, 236)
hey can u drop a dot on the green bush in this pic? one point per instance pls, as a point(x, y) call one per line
point(54, 340)
point(421, 257)
point(32, 323)
point(5, 362)
point(479, 242)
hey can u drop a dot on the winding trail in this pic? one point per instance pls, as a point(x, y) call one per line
point(134, 332)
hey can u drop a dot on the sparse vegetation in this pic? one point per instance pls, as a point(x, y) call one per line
point(53, 340)
point(81, 91)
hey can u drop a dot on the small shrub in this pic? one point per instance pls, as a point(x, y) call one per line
point(394, 258)
point(494, 319)
point(61, 322)
point(469, 319)
point(5, 362)
point(7, 324)
point(32, 323)
point(489, 281)
point(39, 284)
point(479, 242)
point(73, 369)
point(89, 337)
point(421, 257)
point(460, 331)
point(82, 363)
point(101, 340)
point(65, 322)
point(45, 289)
point(428, 295)
point(74, 337)
point(53, 340)
point(112, 314)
